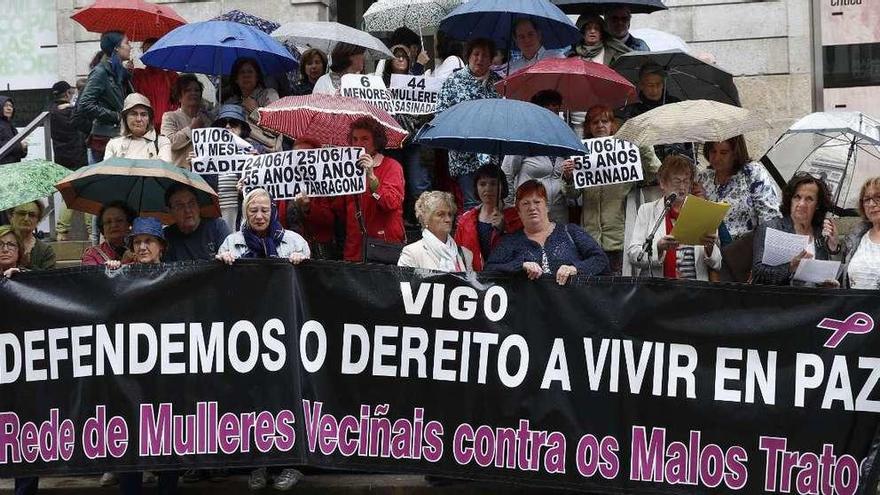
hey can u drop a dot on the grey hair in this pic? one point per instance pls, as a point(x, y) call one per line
point(428, 203)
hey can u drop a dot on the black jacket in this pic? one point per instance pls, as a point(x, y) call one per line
point(7, 132)
point(68, 144)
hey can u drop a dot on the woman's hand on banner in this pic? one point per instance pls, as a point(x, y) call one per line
point(8, 273)
point(225, 257)
point(564, 273)
point(533, 270)
point(113, 264)
point(297, 258)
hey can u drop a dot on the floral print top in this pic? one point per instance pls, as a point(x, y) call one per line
point(463, 86)
point(751, 194)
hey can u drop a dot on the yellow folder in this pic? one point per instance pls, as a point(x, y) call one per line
point(698, 218)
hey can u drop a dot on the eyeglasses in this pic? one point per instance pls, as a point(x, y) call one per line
point(8, 246)
point(189, 205)
point(25, 214)
point(871, 199)
point(677, 181)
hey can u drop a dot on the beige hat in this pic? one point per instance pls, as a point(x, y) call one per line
point(131, 101)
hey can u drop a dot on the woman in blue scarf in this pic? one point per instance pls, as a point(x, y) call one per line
point(262, 235)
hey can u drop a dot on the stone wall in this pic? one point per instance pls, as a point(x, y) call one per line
point(766, 45)
point(76, 46)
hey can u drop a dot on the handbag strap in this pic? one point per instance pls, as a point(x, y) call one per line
point(359, 214)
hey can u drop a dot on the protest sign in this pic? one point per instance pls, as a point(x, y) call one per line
point(218, 151)
point(368, 88)
point(620, 386)
point(608, 161)
point(415, 95)
point(314, 172)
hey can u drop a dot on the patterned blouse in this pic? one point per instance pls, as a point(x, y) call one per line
point(751, 194)
point(463, 86)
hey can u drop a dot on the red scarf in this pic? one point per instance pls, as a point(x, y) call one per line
point(670, 265)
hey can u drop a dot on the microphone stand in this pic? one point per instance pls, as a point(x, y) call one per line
point(648, 245)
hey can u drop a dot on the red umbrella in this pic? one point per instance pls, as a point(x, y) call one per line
point(582, 84)
point(326, 118)
point(138, 19)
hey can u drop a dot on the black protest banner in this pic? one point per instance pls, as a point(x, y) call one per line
point(609, 161)
point(319, 172)
point(606, 385)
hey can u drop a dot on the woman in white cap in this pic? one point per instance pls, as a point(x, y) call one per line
point(138, 138)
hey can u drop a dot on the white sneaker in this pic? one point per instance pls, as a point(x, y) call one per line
point(108, 479)
point(287, 479)
point(257, 480)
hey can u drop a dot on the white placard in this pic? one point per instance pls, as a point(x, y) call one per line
point(781, 247)
point(216, 141)
point(370, 88)
point(608, 161)
point(415, 95)
point(320, 172)
point(817, 271)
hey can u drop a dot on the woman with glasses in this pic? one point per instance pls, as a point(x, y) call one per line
point(39, 255)
point(543, 247)
point(862, 246)
point(669, 258)
point(805, 202)
point(12, 255)
point(114, 223)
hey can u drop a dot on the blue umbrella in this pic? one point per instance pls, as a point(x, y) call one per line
point(212, 47)
point(501, 127)
point(494, 19)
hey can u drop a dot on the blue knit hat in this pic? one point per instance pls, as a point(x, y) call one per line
point(145, 225)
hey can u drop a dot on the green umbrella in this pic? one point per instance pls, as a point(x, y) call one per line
point(139, 183)
point(27, 181)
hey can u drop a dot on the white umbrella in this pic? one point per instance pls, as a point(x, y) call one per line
point(841, 147)
point(325, 35)
point(691, 121)
point(388, 15)
point(658, 40)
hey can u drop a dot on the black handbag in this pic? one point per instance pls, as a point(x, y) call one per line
point(373, 249)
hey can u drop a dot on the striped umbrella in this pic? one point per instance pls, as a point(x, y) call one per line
point(138, 19)
point(388, 15)
point(139, 183)
point(691, 121)
point(326, 118)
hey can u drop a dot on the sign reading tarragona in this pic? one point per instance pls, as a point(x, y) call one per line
point(611, 386)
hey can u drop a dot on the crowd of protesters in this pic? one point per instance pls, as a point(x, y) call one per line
point(469, 212)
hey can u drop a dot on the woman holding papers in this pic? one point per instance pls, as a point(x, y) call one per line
point(863, 245)
point(668, 257)
point(805, 201)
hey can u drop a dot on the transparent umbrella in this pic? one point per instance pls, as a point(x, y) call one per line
point(841, 147)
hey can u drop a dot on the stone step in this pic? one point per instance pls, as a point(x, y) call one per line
point(323, 484)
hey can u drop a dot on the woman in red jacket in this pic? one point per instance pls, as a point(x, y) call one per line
point(382, 202)
point(480, 229)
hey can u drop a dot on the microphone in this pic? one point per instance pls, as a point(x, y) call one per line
point(670, 200)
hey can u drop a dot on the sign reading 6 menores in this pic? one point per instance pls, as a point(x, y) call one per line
point(370, 89)
point(608, 161)
point(315, 172)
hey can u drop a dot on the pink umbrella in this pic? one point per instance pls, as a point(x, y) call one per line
point(326, 118)
point(582, 84)
point(138, 19)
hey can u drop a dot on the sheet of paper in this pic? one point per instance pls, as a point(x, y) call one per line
point(697, 219)
point(816, 271)
point(781, 247)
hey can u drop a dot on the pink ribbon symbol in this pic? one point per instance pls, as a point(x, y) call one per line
point(857, 323)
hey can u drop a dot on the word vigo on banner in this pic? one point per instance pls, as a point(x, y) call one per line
point(218, 151)
point(608, 161)
point(321, 172)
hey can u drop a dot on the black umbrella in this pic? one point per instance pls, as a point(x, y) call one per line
point(599, 6)
point(687, 77)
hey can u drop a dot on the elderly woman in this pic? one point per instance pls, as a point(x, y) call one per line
point(249, 90)
point(101, 101)
point(261, 235)
point(114, 223)
point(24, 218)
point(604, 207)
point(437, 249)
point(177, 125)
point(474, 83)
point(743, 184)
point(543, 247)
point(862, 246)
point(138, 138)
point(670, 258)
point(805, 201)
point(12, 257)
point(147, 244)
point(313, 65)
point(546, 169)
point(597, 44)
point(345, 59)
point(378, 211)
point(480, 229)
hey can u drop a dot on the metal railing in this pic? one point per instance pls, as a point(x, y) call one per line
point(44, 120)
